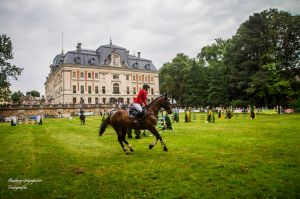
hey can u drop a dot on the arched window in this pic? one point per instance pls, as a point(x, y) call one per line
point(116, 89)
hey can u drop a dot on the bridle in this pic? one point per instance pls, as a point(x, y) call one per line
point(164, 105)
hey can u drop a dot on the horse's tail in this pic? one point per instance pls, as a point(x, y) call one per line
point(104, 125)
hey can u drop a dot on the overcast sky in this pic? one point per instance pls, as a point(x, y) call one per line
point(158, 28)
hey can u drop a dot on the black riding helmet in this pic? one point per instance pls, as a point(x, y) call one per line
point(146, 86)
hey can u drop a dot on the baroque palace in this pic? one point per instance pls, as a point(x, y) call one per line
point(108, 75)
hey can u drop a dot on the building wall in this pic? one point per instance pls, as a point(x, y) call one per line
point(60, 84)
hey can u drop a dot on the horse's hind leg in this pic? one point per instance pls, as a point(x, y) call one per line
point(124, 132)
point(158, 137)
point(122, 145)
point(120, 139)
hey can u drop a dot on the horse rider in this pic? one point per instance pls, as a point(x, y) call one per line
point(141, 101)
point(81, 111)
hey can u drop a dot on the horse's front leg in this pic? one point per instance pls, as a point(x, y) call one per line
point(154, 131)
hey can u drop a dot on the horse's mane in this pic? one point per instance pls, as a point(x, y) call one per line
point(154, 101)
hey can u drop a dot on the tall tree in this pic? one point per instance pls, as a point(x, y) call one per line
point(265, 54)
point(172, 77)
point(196, 85)
point(6, 69)
point(260, 64)
point(212, 56)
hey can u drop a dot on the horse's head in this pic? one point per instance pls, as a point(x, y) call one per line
point(167, 105)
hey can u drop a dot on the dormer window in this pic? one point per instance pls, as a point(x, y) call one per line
point(92, 61)
point(147, 66)
point(135, 65)
point(116, 61)
point(77, 60)
point(107, 61)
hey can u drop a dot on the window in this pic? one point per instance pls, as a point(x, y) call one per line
point(133, 77)
point(152, 91)
point(74, 75)
point(112, 100)
point(96, 76)
point(151, 79)
point(92, 61)
point(89, 89)
point(104, 100)
point(116, 60)
point(140, 78)
point(74, 100)
point(96, 90)
point(127, 77)
point(128, 100)
point(96, 100)
point(89, 100)
point(81, 100)
point(82, 75)
point(89, 75)
point(116, 88)
point(81, 89)
point(145, 78)
point(115, 76)
point(77, 60)
point(74, 89)
point(134, 90)
point(127, 90)
point(135, 65)
point(103, 89)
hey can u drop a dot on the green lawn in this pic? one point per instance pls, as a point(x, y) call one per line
point(237, 158)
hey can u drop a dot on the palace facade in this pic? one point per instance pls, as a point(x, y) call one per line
point(106, 75)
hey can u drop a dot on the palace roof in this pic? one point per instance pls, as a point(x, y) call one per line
point(102, 57)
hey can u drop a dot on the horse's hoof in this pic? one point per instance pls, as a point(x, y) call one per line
point(131, 150)
point(151, 146)
point(127, 152)
point(165, 148)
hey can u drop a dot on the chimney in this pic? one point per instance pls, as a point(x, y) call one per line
point(78, 47)
point(139, 54)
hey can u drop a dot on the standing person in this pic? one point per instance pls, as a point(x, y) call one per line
point(81, 111)
point(141, 100)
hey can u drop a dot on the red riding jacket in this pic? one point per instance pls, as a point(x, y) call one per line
point(141, 97)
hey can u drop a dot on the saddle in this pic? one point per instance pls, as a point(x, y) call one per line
point(133, 113)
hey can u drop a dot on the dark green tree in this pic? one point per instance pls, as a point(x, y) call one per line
point(33, 93)
point(172, 77)
point(7, 69)
point(264, 58)
point(16, 97)
point(259, 65)
point(212, 57)
point(196, 85)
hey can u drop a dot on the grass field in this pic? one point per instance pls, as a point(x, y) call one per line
point(237, 158)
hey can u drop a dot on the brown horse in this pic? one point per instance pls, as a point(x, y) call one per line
point(120, 121)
